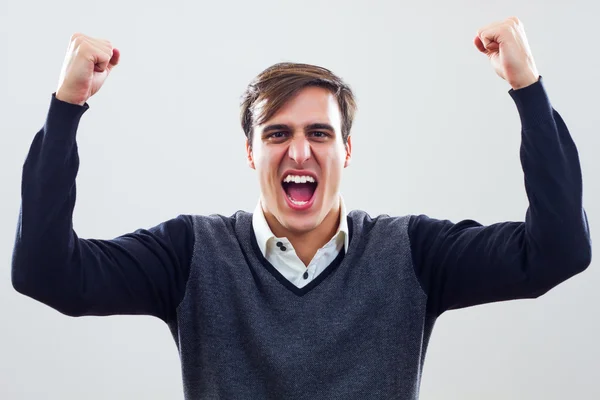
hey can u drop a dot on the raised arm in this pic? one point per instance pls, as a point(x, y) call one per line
point(463, 264)
point(143, 272)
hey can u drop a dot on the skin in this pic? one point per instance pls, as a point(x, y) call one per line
point(299, 147)
point(87, 64)
point(507, 48)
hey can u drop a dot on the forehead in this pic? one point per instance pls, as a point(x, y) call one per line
point(310, 105)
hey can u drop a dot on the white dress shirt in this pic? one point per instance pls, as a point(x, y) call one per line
point(281, 254)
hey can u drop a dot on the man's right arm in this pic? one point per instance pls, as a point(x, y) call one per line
point(143, 272)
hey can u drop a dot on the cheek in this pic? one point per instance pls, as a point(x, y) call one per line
point(332, 164)
point(334, 158)
point(267, 166)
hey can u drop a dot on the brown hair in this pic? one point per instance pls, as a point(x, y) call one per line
point(280, 82)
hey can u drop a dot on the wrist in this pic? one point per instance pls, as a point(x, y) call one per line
point(523, 83)
point(68, 99)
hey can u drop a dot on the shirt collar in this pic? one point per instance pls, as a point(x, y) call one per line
point(263, 232)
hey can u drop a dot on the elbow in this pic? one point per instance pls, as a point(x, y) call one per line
point(580, 256)
point(72, 309)
point(25, 274)
point(553, 269)
point(19, 280)
point(37, 279)
point(575, 262)
point(584, 258)
point(19, 285)
point(63, 301)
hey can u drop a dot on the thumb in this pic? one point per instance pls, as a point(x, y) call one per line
point(490, 38)
point(105, 61)
point(479, 44)
point(114, 60)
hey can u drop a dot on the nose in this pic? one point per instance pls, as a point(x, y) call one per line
point(299, 149)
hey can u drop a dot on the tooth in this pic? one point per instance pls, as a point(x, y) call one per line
point(299, 179)
point(298, 203)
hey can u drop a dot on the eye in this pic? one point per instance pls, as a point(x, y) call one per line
point(277, 135)
point(320, 134)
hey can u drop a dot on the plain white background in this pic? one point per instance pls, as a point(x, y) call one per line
point(436, 133)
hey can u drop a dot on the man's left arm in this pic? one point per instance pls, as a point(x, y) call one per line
point(463, 264)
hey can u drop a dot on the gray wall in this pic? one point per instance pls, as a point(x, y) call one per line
point(436, 133)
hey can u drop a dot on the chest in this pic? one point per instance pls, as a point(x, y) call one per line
point(231, 299)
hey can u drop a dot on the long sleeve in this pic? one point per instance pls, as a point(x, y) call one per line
point(143, 272)
point(464, 264)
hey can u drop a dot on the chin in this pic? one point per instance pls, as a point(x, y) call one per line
point(299, 223)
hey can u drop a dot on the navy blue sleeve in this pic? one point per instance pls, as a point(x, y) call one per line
point(143, 272)
point(463, 264)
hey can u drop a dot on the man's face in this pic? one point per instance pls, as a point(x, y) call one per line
point(299, 156)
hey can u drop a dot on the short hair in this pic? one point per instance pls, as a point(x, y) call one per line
point(280, 82)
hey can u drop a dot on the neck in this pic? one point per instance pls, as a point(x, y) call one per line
point(307, 243)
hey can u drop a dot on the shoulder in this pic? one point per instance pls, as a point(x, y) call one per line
point(422, 227)
point(185, 227)
point(218, 220)
point(418, 227)
point(381, 225)
point(363, 217)
point(215, 226)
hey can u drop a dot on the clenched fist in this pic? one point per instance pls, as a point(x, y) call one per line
point(87, 64)
point(505, 43)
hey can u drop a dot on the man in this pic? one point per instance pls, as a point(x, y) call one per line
point(300, 300)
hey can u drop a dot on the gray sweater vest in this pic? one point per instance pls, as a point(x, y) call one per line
point(359, 331)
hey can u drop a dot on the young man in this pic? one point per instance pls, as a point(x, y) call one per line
point(300, 299)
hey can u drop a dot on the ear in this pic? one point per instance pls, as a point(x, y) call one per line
point(249, 155)
point(348, 151)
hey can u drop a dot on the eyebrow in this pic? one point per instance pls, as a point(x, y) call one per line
point(310, 127)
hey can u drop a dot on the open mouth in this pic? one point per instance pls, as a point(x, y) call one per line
point(299, 190)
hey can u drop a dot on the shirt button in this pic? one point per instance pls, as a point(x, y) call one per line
point(279, 244)
point(305, 276)
point(283, 248)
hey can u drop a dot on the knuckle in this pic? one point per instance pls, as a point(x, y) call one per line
point(79, 40)
point(85, 48)
point(104, 45)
